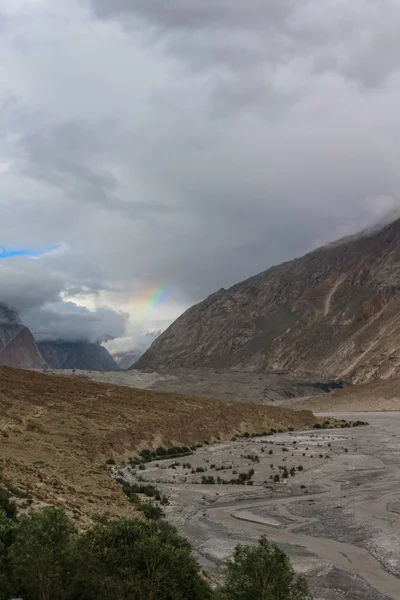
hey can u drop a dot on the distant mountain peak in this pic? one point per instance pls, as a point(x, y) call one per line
point(86, 356)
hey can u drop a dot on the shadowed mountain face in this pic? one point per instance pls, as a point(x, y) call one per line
point(77, 355)
point(335, 312)
point(17, 346)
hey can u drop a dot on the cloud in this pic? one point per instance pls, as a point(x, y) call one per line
point(67, 321)
point(186, 145)
point(359, 43)
point(138, 343)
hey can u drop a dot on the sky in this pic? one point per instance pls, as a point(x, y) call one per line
point(165, 149)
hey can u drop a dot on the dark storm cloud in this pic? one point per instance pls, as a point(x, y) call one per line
point(70, 322)
point(358, 41)
point(186, 145)
point(71, 156)
point(203, 14)
point(36, 293)
point(24, 288)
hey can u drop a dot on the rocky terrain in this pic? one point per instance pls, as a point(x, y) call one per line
point(372, 396)
point(263, 388)
point(17, 345)
point(328, 497)
point(334, 312)
point(77, 355)
point(56, 433)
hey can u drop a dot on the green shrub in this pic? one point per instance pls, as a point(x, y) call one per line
point(208, 480)
point(151, 510)
point(6, 505)
point(42, 555)
point(263, 572)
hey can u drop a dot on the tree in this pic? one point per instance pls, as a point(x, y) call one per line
point(263, 572)
point(7, 536)
point(132, 559)
point(41, 555)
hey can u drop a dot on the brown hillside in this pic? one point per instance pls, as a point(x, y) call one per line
point(367, 397)
point(57, 432)
point(334, 312)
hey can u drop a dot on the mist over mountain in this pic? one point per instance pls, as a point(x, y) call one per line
point(127, 350)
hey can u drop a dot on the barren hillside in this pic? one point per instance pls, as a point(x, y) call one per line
point(57, 432)
point(334, 312)
point(367, 397)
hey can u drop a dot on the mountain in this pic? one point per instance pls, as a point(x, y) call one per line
point(334, 312)
point(77, 355)
point(17, 345)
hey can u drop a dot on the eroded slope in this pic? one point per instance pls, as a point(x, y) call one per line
point(57, 432)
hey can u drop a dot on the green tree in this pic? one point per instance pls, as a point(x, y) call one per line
point(263, 572)
point(137, 560)
point(7, 536)
point(41, 555)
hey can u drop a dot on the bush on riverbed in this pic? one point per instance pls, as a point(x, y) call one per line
point(263, 572)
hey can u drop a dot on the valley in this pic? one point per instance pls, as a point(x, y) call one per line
point(338, 515)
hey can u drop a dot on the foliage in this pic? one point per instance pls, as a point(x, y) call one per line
point(41, 556)
point(44, 557)
point(7, 505)
point(7, 533)
point(263, 572)
point(134, 559)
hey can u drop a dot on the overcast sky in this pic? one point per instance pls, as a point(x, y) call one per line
point(174, 147)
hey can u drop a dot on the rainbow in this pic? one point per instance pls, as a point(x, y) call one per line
point(150, 299)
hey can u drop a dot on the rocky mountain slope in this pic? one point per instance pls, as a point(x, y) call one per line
point(77, 355)
point(334, 312)
point(56, 433)
point(17, 346)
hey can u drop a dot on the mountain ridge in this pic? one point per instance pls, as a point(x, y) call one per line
point(331, 312)
point(77, 355)
point(17, 345)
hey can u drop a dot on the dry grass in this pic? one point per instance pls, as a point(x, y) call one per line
point(57, 432)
